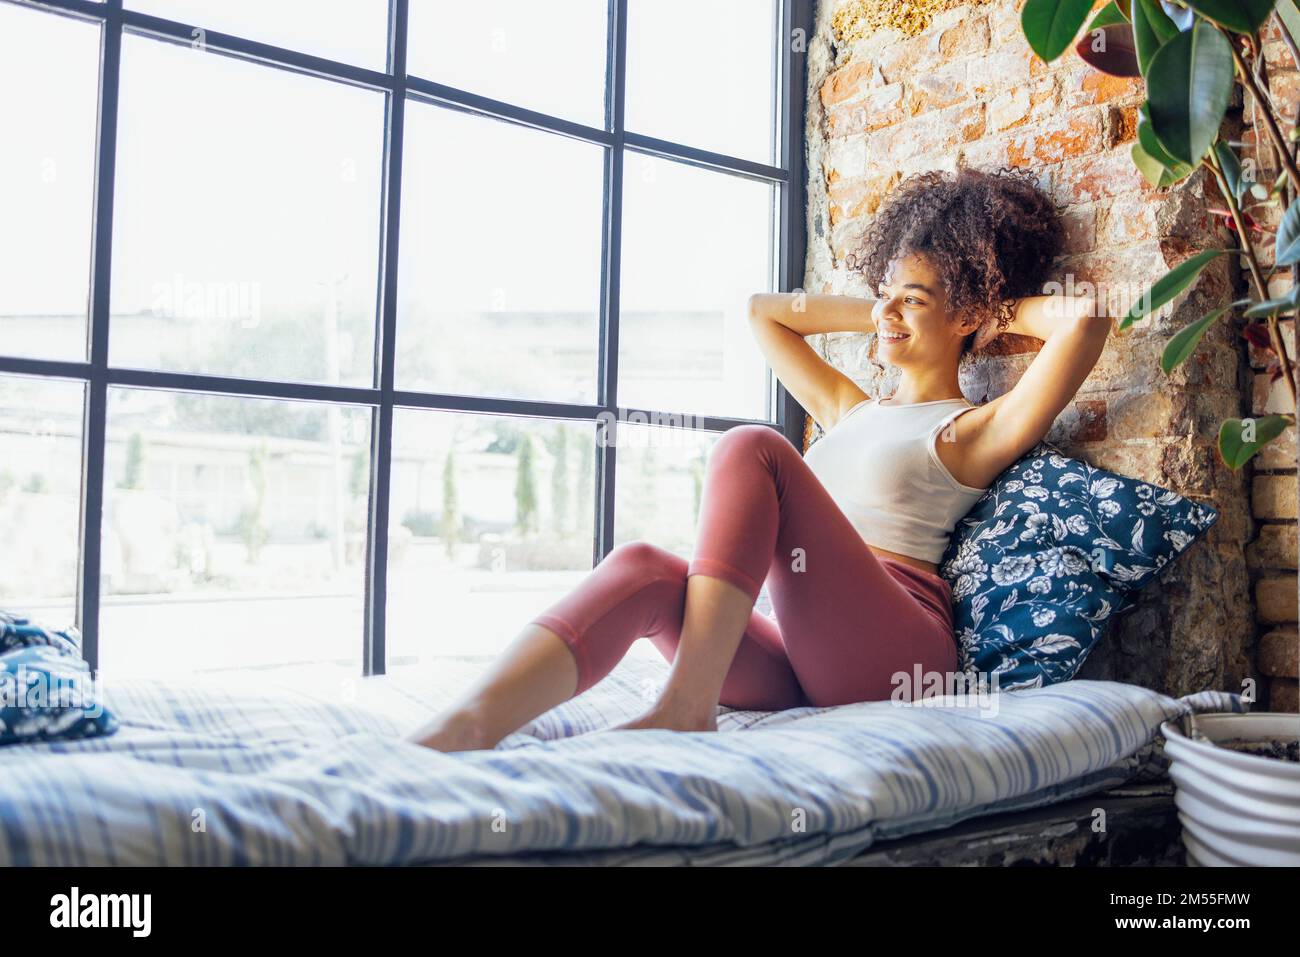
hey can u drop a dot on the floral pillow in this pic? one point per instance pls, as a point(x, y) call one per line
point(1050, 552)
point(46, 689)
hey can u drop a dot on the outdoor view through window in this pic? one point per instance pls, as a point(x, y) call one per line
point(254, 212)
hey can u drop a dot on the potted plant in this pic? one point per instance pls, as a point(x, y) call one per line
point(1237, 781)
point(1236, 775)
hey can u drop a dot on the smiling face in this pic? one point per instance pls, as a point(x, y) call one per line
point(912, 317)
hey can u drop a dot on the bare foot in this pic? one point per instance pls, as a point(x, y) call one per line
point(655, 718)
point(456, 731)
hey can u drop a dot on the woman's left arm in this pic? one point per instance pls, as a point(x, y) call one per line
point(1074, 331)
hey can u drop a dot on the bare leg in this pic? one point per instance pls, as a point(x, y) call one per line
point(638, 590)
point(713, 623)
point(534, 674)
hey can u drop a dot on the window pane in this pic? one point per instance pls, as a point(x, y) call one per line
point(352, 32)
point(246, 224)
point(49, 69)
point(696, 245)
point(659, 480)
point(234, 532)
point(723, 100)
point(40, 496)
point(492, 520)
point(548, 57)
point(500, 259)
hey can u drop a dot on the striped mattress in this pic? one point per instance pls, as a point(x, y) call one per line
point(247, 770)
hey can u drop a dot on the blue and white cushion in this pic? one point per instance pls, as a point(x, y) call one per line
point(1048, 555)
point(46, 690)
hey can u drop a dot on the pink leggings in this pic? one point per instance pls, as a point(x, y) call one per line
point(846, 620)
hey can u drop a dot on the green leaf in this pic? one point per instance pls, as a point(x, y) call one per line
point(1190, 82)
point(1147, 137)
point(1184, 343)
point(1152, 28)
point(1239, 16)
point(1170, 285)
point(1152, 170)
point(1231, 167)
point(1110, 13)
point(1239, 439)
point(1287, 248)
point(1051, 25)
point(1278, 184)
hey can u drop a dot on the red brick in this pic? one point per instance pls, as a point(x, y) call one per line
point(932, 133)
point(1278, 56)
point(860, 196)
point(1273, 496)
point(970, 122)
point(1092, 421)
point(1130, 219)
point(910, 57)
point(988, 153)
point(1080, 224)
point(1278, 653)
point(1278, 454)
point(1103, 87)
point(1275, 599)
point(1002, 70)
point(1086, 86)
point(1122, 125)
point(1284, 88)
point(1021, 105)
point(1137, 416)
point(1119, 276)
point(968, 35)
point(846, 83)
point(1055, 140)
point(1269, 396)
point(1274, 548)
point(879, 108)
point(1284, 695)
point(1103, 176)
point(1004, 26)
point(934, 91)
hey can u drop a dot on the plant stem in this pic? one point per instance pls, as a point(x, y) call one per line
point(1291, 190)
point(1261, 286)
point(1287, 38)
point(1258, 65)
point(1264, 109)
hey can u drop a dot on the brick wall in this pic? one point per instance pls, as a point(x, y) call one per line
point(940, 85)
point(1271, 556)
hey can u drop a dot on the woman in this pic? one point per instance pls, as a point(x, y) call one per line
point(848, 539)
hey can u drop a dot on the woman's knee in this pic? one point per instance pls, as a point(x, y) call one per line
point(648, 559)
point(751, 440)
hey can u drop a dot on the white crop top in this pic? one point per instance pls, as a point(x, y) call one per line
point(880, 466)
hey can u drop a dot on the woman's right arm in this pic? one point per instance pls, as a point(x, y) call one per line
point(780, 321)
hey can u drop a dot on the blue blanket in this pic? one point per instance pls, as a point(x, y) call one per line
point(245, 770)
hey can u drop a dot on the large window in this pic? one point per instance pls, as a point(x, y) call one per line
point(350, 335)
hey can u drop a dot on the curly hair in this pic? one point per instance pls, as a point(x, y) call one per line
point(992, 236)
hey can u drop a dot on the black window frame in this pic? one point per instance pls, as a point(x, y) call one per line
point(793, 32)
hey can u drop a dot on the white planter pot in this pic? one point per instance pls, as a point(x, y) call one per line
point(1237, 809)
